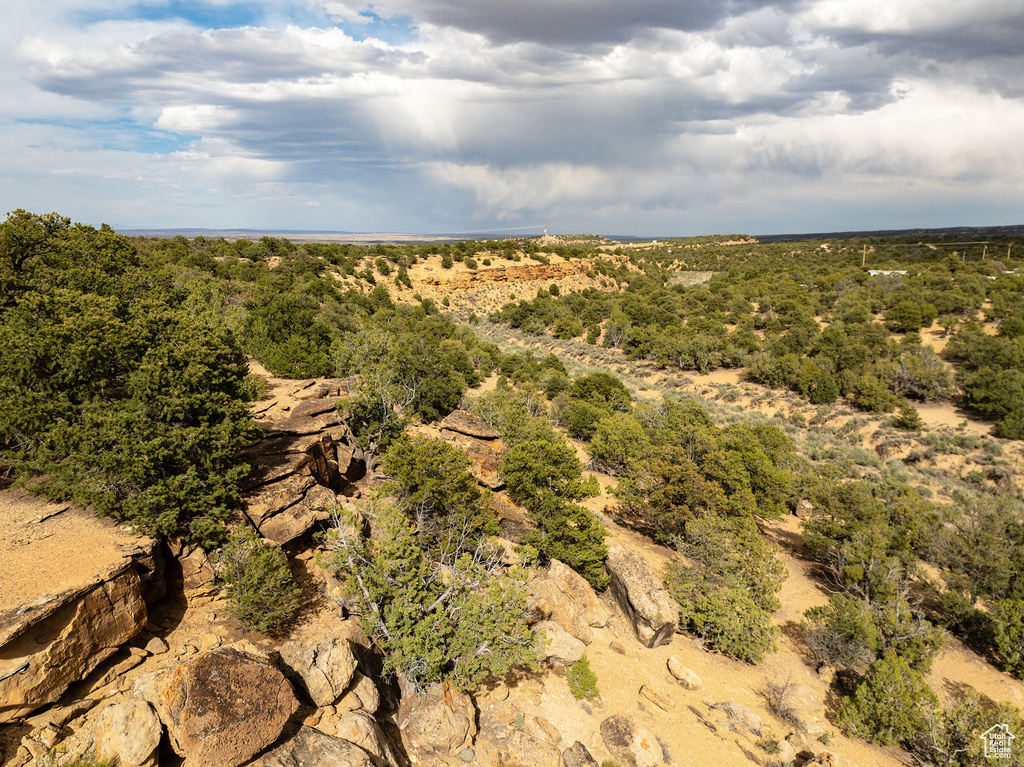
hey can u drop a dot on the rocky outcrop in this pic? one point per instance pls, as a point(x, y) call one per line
point(220, 708)
point(545, 272)
point(311, 747)
point(522, 749)
point(362, 695)
point(299, 468)
point(642, 596)
point(562, 595)
point(481, 444)
point(197, 573)
point(322, 657)
point(461, 422)
point(632, 744)
point(46, 647)
point(129, 732)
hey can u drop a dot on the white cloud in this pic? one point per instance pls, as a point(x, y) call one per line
point(604, 112)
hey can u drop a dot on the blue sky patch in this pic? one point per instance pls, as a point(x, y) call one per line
point(200, 14)
point(393, 31)
point(123, 134)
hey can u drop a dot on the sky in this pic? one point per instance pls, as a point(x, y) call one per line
point(647, 117)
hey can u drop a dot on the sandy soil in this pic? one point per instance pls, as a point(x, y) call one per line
point(49, 548)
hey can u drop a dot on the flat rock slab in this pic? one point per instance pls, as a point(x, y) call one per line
point(72, 589)
point(49, 549)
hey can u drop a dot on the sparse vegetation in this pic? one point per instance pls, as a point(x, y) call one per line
point(261, 591)
point(582, 680)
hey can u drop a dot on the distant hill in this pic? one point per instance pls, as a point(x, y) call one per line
point(310, 235)
point(953, 231)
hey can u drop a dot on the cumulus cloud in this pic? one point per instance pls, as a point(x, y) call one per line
point(613, 116)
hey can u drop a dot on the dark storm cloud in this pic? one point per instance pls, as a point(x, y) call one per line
point(573, 23)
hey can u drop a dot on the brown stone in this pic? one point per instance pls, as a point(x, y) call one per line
point(685, 676)
point(466, 423)
point(441, 720)
point(220, 708)
point(657, 697)
point(523, 750)
point(325, 666)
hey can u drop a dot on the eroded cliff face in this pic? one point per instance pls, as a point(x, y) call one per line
point(489, 287)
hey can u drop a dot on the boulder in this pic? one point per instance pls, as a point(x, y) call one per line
point(485, 457)
point(47, 646)
point(562, 595)
point(557, 645)
point(462, 422)
point(312, 748)
point(632, 744)
point(221, 707)
point(642, 596)
point(803, 701)
point(362, 694)
point(685, 676)
point(274, 498)
point(578, 756)
point(804, 509)
point(313, 509)
point(197, 573)
point(300, 424)
point(129, 732)
point(326, 667)
point(362, 730)
point(441, 720)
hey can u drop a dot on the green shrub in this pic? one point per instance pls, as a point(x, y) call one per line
point(1008, 634)
point(842, 633)
point(618, 441)
point(254, 388)
point(891, 704)
point(908, 419)
point(261, 590)
point(731, 623)
point(439, 613)
point(116, 390)
point(582, 681)
point(581, 417)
